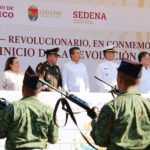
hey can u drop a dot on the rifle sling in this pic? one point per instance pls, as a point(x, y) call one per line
point(67, 108)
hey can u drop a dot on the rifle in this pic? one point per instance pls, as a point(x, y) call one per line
point(92, 112)
point(114, 89)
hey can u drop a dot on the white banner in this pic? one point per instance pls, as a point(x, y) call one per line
point(78, 16)
point(30, 27)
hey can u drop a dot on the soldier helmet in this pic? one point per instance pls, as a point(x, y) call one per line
point(131, 68)
point(31, 79)
point(52, 51)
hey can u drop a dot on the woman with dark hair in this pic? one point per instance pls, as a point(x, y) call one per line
point(11, 78)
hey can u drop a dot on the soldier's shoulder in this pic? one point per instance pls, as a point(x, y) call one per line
point(102, 65)
point(17, 104)
point(108, 108)
point(10, 108)
point(114, 103)
point(115, 64)
point(146, 100)
point(40, 65)
point(110, 104)
point(10, 105)
point(57, 66)
point(123, 100)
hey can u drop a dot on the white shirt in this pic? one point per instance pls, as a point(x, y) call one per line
point(106, 71)
point(144, 86)
point(11, 81)
point(74, 77)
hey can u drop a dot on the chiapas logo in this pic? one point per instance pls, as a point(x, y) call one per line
point(33, 13)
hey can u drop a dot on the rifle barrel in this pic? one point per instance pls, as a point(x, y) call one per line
point(104, 82)
point(59, 91)
point(71, 97)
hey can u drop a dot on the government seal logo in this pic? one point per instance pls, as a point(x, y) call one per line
point(33, 13)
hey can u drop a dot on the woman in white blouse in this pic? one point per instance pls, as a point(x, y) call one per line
point(11, 78)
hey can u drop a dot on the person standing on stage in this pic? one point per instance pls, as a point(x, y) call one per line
point(28, 124)
point(144, 86)
point(11, 78)
point(49, 71)
point(74, 73)
point(107, 70)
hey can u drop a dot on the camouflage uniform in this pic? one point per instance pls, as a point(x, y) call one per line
point(124, 123)
point(27, 123)
point(50, 74)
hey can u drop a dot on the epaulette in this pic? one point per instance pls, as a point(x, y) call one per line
point(57, 66)
point(40, 65)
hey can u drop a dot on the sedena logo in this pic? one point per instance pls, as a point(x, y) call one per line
point(88, 17)
point(33, 13)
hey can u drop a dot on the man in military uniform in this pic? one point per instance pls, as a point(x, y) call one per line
point(49, 71)
point(124, 123)
point(28, 124)
point(107, 70)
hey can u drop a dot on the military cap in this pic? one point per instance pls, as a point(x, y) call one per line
point(131, 68)
point(52, 51)
point(31, 79)
point(109, 48)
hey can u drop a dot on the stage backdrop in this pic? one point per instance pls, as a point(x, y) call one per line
point(29, 27)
